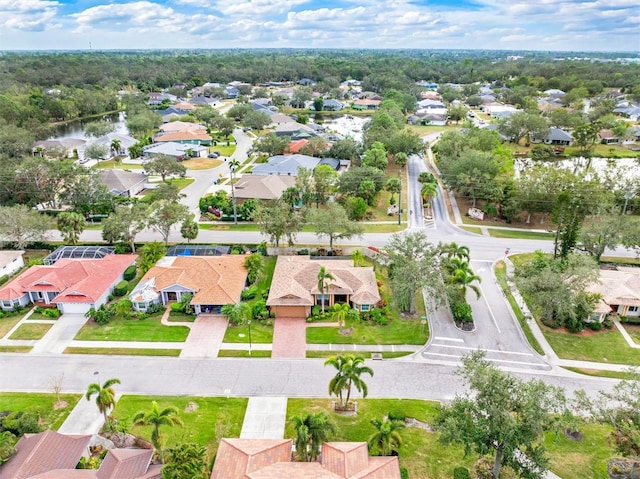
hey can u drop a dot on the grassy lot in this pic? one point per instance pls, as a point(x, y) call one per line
point(233, 353)
point(7, 323)
point(471, 229)
point(420, 453)
point(149, 329)
point(365, 355)
point(124, 351)
point(227, 225)
point(605, 151)
point(585, 459)
point(519, 234)
point(398, 331)
point(31, 331)
point(223, 148)
point(214, 418)
point(201, 163)
point(501, 275)
point(180, 317)
point(41, 316)
point(43, 403)
point(15, 349)
point(430, 129)
point(240, 334)
point(179, 183)
point(602, 373)
point(618, 260)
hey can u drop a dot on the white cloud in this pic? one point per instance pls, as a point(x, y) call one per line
point(30, 15)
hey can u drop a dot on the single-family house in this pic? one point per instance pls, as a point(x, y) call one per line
point(174, 126)
point(556, 136)
point(426, 118)
point(11, 262)
point(331, 104)
point(124, 143)
point(554, 93)
point(63, 147)
point(123, 183)
point(185, 105)
point(187, 137)
point(73, 285)
point(171, 111)
point(51, 455)
point(286, 165)
point(295, 146)
point(294, 289)
point(306, 82)
point(429, 103)
point(294, 129)
point(429, 85)
point(180, 151)
point(365, 104)
point(271, 458)
point(232, 92)
point(608, 137)
point(213, 281)
point(262, 187)
point(156, 98)
point(620, 293)
point(280, 119)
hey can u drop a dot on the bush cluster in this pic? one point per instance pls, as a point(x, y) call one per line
point(129, 273)
point(121, 288)
point(250, 293)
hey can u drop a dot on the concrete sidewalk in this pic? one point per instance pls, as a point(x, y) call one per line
point(264, 418)
point(84, 418)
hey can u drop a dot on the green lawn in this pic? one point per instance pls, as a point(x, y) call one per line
point(7, 323)
point(15, 349)
point(110, 164)
point(149, 329)
point(31, 331)
point(633, 330)
point(234, 353)
point(420, 453)
point(180, 317)
point(366, 355)
point(214, 418)
point(179, 183)
point(40, 316)
point(585, 459)
point(501, 275)
point(43, 403)
point(398, 331)
point(124, 351)
point(240, 334)
point(605, 151)
point(519, 234)
point(471, 229)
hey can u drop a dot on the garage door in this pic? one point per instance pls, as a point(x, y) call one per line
point(291, 311)
point(71, 308)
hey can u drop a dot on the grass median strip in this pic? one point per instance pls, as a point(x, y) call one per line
point(519, 234)
point(240, 353)
point(501, 275)
point(364, 354)
point(15, 349)
point(123, 351)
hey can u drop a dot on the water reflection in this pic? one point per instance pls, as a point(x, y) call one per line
point(75, 129)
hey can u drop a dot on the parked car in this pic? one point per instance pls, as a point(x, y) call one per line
point(213, 154)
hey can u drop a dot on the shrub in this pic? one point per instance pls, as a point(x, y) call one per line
point(303, 252)
point(404, 473)
point(259, 310)
point(154, 308)
point(249, 293)
point(129, 273)
point(461, 311)
point(121, 288)
point(52, 313)
point(21, 422)
point(177, 307)
point(594, 325)
point(461, 473)
point(396, 416)
point(101, 315)
point(3, 279)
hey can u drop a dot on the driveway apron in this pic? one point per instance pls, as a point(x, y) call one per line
point(205, 337)
point(289, 338)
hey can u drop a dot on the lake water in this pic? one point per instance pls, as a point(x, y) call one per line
point(75, 129)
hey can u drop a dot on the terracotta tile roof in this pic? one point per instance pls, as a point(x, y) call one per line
point(76, 280)
point(295, 146)
point(269, 187)
point(238, 458)
point(42, 452)
point(125, 464)
point(199, 135)
point(295, 281)
point(181, 126)
point(271, 459)
point(367, 102)
point(213, 279)
point(620, 287)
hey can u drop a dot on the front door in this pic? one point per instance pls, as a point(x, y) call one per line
point(172, 296)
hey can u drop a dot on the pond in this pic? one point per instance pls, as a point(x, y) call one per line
point(75, 129)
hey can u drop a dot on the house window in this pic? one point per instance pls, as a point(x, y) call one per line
point(365, 307)
point(16, 303)
point(141, 306)
point(322, 299)
point(633, 309)
point(6, 304)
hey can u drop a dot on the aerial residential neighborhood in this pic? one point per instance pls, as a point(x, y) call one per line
point(332, 266)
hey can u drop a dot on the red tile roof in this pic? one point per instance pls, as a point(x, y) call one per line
point(75, 280)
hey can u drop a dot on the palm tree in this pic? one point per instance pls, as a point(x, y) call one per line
point(311, 432)
point(462, 277)
point(350, 369)
point(156, 418)
point(357, 257)
point(105, 395)
point(237, 313)
point(386, 438)
point(454, 250)
point(115, 146)
point(323, 276)
point(340, 313)
point(428, 191)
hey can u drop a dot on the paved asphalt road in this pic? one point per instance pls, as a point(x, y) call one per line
point(428, 374)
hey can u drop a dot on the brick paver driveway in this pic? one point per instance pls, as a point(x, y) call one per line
point(289, 338)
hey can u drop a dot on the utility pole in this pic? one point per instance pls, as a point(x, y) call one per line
point(233, 164)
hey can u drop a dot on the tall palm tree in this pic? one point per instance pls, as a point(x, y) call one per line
point(428, 191)
point(454, 250)
point(323, 276)
point(115, 146)
point(105, 395)
point(462, 276)
point(357, 257)
point(350, 369)
point(386, 438)
point(156, 418)
point(311, 432)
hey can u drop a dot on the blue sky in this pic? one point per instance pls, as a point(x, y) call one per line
point(579, 25)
